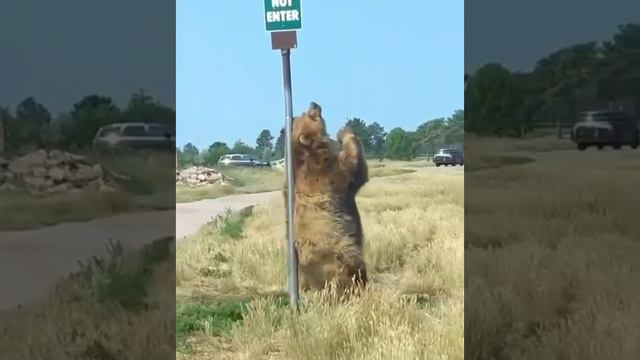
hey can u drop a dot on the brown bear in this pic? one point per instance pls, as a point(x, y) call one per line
point(327, 227)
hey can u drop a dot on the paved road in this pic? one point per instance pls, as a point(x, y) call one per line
point(31, 261)
point(191, 216)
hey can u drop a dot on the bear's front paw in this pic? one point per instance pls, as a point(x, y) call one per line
point(305, 140)
point(344, 134)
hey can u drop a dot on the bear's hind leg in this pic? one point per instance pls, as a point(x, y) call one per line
point(303, 282)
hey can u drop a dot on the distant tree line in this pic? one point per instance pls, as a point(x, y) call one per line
point(583, 76)
point(397, 144)
point(31, 124)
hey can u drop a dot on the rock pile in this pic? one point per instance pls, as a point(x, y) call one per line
point(201, 175)
point(47, 172)
point(278, 164)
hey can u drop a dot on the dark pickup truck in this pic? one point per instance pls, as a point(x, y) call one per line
point(448, 157)
point(605, 128)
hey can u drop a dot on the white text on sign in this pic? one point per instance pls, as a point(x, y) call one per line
point(281, 3)
point(283, 15)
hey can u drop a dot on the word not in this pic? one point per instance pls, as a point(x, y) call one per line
point(281, 3)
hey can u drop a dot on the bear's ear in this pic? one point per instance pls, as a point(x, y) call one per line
point(315, 111)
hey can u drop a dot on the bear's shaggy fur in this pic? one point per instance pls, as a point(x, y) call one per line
point(327, 226)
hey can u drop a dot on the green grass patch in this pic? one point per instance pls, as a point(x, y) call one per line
point(213, 319)
point(227, 228)
point(124, 282)
point(228, 225)
point(233, 224)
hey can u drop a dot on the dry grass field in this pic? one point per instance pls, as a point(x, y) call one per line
point(230, 279)
point(119, 307)
point(249, 181)
point(552, 243)
point(149, 186)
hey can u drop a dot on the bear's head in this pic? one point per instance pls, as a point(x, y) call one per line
point(313, 149)
point(308, 128)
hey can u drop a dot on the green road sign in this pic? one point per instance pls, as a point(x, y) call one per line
point(280, 15)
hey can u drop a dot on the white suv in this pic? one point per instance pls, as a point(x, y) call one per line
point(135, 136)
point(242, 160)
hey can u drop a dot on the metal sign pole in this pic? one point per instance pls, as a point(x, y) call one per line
point(282, 18)
point(291, 249)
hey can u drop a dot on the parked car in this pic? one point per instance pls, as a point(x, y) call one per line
point(135, 136)
point(242, 160)
point(605, 128)
point(448, 157)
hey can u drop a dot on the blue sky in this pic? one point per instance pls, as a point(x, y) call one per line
point(61, 51)
point(399, 65)
point(519, 33)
